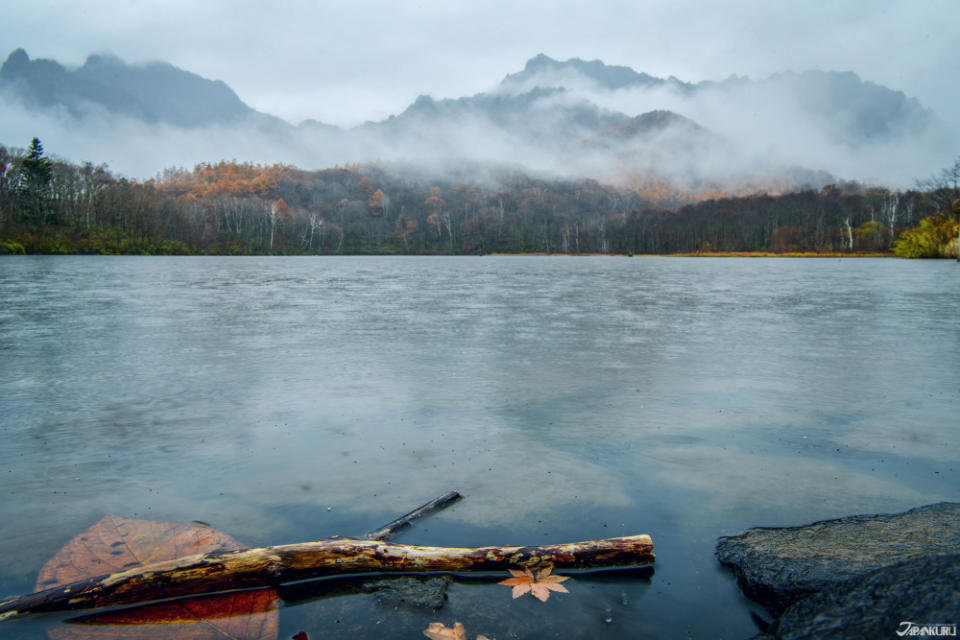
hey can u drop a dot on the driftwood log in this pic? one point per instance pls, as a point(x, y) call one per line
point(271, 566)
point(237, 569)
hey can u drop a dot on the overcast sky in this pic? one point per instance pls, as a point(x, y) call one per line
point(347, 61)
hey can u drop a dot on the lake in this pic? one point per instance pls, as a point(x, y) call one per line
point(291, 399)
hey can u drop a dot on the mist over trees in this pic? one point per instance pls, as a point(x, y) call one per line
point(52, 206)
point(573, 118)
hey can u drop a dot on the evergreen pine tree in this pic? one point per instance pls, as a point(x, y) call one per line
point(36, 172)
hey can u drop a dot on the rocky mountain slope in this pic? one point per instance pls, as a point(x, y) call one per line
point(574, 117)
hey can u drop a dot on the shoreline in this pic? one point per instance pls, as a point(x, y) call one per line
point(692, 254)
point(703, 254)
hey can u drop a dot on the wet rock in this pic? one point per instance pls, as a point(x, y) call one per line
point(922, 592)
point(414, 591)
point(778, 567)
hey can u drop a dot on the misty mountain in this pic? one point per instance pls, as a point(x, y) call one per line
point(853, 110)
point(153, 93)
point(545, 115)
point(554, 127)
point(646, 125)
point(574, 117)
point(544, 71)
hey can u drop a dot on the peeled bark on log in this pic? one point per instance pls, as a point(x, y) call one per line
point(270, 566)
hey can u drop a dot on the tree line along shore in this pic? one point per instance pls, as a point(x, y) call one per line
point(49, 206)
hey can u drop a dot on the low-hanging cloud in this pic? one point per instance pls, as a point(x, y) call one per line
point(767, 126)
point(732, 135)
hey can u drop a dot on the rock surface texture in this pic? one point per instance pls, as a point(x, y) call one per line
point(922, 592)
point(854, 577)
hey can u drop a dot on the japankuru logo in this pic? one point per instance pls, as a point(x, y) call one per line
point(928, 630)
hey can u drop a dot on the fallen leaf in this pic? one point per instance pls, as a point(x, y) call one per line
point(539, 585)
point(520, 581)
point(117, 544)
point(439, 631)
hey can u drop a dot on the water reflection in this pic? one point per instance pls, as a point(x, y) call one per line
point(567, 399)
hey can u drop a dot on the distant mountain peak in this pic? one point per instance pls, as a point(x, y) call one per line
point(539, 61)
point(574, 114)
point(154, 93)
point(546, 71)
point(104, 58)
point(16, 62)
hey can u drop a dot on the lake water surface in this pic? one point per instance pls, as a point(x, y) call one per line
point(290, 399)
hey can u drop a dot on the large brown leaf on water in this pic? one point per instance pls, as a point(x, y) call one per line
point(117, 544)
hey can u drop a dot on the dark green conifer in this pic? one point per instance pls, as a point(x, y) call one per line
point(36, 172)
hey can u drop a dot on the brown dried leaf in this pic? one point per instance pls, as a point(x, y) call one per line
point(521, 582)
point(541, 590)
point(117, 544)
point(539, 585)
point(439, 631)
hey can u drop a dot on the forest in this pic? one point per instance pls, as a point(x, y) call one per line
point(53, 206)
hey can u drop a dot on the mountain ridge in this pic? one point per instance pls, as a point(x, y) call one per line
point(126, 88)
point(576, 116)
point(155, 92)
point(870, 108)
point(605, 75)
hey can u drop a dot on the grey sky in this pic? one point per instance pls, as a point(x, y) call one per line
point(346, 61)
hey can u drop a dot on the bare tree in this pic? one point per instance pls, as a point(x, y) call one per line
point(943, 188)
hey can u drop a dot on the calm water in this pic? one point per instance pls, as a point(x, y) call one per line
point(289, 399)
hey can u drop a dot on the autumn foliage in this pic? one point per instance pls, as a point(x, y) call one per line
point(934, 237)
point(243, 208)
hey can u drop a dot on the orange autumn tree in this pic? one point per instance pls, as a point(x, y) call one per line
point(436, 205)
point(378, 203)
point(281, 215)
point(224, 179)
